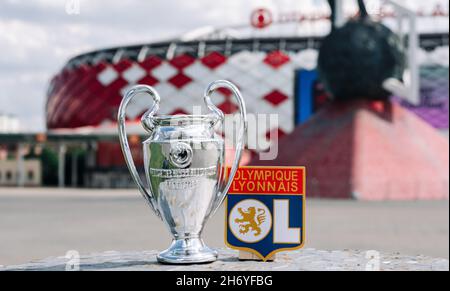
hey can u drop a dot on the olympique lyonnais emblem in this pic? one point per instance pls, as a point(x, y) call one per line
point(265, 210)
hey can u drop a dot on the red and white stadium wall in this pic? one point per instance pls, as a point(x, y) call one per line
point(89, 93)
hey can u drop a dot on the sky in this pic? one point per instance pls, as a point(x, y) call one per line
point(37, 37)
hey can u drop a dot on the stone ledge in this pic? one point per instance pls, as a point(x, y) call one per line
point(302, 260)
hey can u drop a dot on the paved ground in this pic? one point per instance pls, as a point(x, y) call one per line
point(38, 223)
point(306, 259)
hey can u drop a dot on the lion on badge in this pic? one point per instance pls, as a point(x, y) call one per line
point(250, 220)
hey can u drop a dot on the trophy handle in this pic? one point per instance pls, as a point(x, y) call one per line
point(224, 187)
point(147, 123)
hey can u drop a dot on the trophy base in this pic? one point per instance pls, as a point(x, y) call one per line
point(187, 251)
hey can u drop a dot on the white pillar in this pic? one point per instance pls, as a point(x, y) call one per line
point(411, 82)
point(62, 165)
point(412, 58)
point(339, 13)
point(20, 165)
point(91, 160)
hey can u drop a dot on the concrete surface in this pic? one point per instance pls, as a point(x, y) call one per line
point(305, 260)
point(40, 223)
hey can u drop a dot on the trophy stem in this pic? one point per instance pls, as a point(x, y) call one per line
point(187, 250)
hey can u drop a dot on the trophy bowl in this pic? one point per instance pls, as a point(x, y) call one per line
point(185, 171)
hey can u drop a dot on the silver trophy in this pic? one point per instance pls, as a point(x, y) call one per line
point(184, 166)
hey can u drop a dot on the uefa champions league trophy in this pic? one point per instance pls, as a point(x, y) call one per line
point(184, 166)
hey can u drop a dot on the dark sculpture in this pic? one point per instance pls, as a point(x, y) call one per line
point(356, 59)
